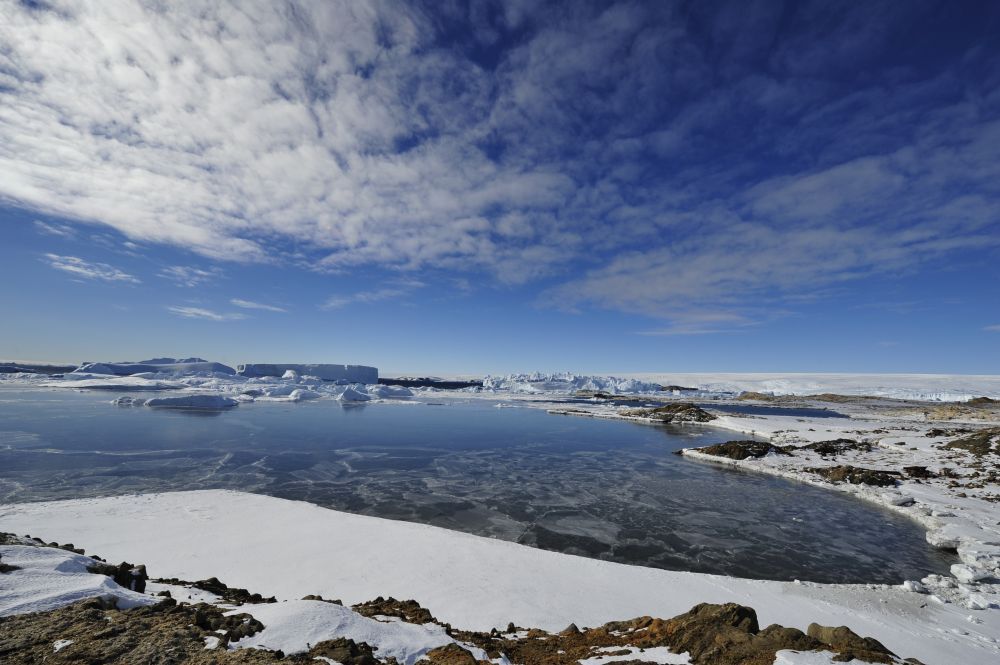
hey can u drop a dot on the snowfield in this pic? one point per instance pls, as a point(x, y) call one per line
point(290, 549)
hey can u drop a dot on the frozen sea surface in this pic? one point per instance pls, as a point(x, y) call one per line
point(598, 488)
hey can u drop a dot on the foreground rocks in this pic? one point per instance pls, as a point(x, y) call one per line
point(95, 631)
point(740, 450)
point(91, 632)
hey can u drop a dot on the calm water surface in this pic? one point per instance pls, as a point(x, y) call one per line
point(598, 488)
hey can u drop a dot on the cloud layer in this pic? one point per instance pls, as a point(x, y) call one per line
point(670, 159)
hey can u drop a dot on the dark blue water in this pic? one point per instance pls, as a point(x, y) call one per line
point(598, 488)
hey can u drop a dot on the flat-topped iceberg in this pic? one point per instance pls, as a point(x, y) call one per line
point(348, 373)
point(188, 366)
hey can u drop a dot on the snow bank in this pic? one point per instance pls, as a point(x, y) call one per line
point(294, 625)
point(349, 373)
point(545, 383)
point(472, 582)
point(49, 578)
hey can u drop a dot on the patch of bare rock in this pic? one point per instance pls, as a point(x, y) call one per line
point(680, 412)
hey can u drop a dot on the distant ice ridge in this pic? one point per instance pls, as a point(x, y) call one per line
point(925, 387)
point(566, 382)
point(348, 373)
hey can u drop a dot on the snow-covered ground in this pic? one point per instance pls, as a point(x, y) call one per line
point(933, 387)
point(46, 578)
point(290, 549)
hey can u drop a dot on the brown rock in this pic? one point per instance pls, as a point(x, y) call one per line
point(450, 654)
point(850, 645)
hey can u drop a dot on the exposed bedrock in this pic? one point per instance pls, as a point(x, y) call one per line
point(681, 412)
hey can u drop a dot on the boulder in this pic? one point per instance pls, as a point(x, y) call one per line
point(850, 645)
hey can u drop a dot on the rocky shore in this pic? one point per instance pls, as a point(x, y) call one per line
point(168, 630)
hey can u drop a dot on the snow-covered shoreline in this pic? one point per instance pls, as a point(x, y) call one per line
point(289, 549)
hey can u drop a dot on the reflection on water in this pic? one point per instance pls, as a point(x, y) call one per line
point(598, 488)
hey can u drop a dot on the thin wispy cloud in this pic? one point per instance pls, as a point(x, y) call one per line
point(641, 157)
point(397, 289)
point(250, 304)
point(86, 270)
point(190, 276)
point(205, 314)
point(702, 323)
point(59, 230)
point(995, 328)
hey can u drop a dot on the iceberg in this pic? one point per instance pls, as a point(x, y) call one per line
point(196, 366)
point(348, 373)
point(352, 394)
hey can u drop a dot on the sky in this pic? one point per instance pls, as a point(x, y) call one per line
point(493, 186)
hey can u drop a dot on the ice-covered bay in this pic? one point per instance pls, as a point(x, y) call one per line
point(602, 489)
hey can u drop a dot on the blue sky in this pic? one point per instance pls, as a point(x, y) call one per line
point(449, 187)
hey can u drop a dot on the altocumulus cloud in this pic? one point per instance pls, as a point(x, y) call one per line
point(84, 269)
point(671, 159)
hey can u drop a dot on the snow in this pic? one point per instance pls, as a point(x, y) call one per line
point(932, 387)
point(290, 549)
point(183, 594)
point(59, 645)
point(653, 655)
point(48, 578)
point(789, 657)
point(294, 625)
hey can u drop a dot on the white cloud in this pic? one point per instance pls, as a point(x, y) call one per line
point(396, 289)
point(87, 270)
point(597, 148)
point(189, 275)
point(702, 323)
point(207, 314)
point(995, 328)
point(60, 230)
point(249, 304)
